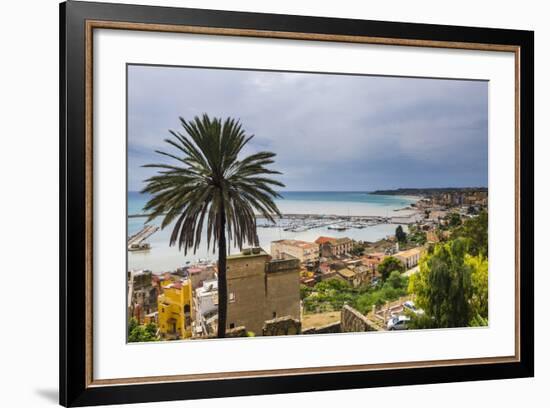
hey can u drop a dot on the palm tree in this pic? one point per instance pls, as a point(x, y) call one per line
point(210, 183)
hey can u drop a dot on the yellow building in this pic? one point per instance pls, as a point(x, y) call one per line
point(175, 310)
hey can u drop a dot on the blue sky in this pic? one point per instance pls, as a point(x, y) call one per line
point(330, 132)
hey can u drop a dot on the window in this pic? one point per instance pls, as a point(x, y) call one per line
point(274, 315)
point(231, 297)
point(231, 325)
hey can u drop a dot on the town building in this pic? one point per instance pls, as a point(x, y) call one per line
point(355, 276)
point(175, 314)
point(363, 275)
point(410, 257)
point(352, 263)
point(437, 215)
point(479, 198)
point(325, 271)
point(261, 288)
point(347, 274)
point(167, 279)
point(329, 246)
point(372, 260)
point(206, 308)
point(142, 295)
point(199, 273)
point(151, 318)
point(304, 251)
point(337, 264)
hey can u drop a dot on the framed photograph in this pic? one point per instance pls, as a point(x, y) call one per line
point(256, 204)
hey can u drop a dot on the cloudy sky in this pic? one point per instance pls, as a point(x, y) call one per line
point(330, 132)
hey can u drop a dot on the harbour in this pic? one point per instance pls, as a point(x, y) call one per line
point(137, 241)
point(305, 216)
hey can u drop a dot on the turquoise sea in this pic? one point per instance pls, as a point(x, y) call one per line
point(161, 257)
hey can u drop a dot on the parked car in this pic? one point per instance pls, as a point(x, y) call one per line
point(398, 323)
point(411, 307)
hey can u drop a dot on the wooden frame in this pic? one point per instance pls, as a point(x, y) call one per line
point(77, 22)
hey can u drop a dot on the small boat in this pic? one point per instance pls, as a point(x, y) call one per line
point(337, 227)
point(143, 246)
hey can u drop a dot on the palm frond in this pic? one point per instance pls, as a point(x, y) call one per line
point(210, 177)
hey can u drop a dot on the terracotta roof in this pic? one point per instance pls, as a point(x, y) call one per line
point(371, 261)
point(324, 240)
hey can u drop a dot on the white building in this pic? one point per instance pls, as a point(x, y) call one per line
point(206, 305)
point(302, 250)
point(410, 258)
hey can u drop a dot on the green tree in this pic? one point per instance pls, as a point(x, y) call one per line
point(210, 182)
point(474, 231)
point(357, 249)
point(394, 287)
point(443, 286)
point(420, 238)
point(416, 235)
point(396, 281)
point(333, 285)
point(421, 321)
point(388, 265)
point(137, 333)
point(453, 220)
point(132, 324)
point(304, 291)
point(400, 235)
point(479, 301)
point(329, 295)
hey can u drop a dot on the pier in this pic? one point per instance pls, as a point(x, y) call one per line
point(135, 242)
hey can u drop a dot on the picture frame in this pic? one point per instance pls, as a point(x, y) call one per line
point(79, 20)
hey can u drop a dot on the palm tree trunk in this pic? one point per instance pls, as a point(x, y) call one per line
point(222, 276)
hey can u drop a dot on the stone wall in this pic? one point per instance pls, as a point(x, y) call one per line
point(229, 333)
point(282, 326)
point(353, 321)
point(277, 265)
point(282, 296)
point(329, 328)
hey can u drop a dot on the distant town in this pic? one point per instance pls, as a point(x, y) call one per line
point(329, 285)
